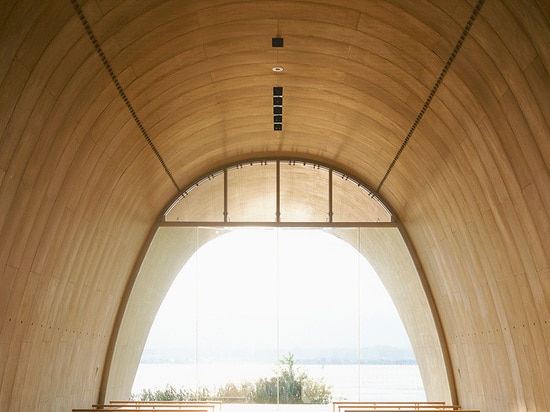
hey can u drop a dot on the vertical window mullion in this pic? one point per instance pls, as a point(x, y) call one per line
point(330, 210)
point(278, 194)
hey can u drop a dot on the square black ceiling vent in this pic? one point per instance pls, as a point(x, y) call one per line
point(277, 42)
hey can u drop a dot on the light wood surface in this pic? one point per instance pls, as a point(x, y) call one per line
point(337, 406)
point(81, 187)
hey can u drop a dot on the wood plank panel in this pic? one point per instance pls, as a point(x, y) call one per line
point(80, 187)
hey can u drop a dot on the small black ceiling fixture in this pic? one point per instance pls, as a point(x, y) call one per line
point(277, 108)
point(277, 42)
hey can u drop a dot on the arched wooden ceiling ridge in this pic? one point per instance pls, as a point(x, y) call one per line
point(145, 133)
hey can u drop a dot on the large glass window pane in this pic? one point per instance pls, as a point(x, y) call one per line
point(173, 335)
point(251, 193)
point(304, 192)
point(318, 310)
point(385, 356)
point(237, 301)
point(303, 299)
point(203, 203)
point(351, 203)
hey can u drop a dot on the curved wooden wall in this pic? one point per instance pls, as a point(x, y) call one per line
point(107, 108)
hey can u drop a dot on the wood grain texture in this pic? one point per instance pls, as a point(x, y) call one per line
point(81, 188)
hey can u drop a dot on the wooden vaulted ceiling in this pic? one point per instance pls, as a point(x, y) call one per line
point(109, 108)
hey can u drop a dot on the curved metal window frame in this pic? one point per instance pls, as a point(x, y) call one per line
point(332, 171)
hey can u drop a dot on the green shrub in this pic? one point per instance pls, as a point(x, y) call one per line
point(289, 386)
point(231, 393)
point(172, 394)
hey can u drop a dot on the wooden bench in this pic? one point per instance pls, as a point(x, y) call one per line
point(383, 407)
point(414, 409)
point(356, 406)
point(432, 408)
point(212, 405)
point(158, 406)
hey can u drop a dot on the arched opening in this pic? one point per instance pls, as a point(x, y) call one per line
point(279, 194)
point(252, 297)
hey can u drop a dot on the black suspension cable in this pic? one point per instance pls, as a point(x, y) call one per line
point(453, 55)
point(120, 89)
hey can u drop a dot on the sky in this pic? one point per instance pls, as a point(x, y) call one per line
point(276, 290)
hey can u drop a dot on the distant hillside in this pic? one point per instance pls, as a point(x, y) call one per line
point(369, 355)
point(387, 355)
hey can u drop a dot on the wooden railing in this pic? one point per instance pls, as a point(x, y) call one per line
point(414, 409)
point(345, 405)
point(157, 406)
point(383, 406)
point(216, 406)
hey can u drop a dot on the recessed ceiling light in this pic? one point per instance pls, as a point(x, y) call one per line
point(277, 69)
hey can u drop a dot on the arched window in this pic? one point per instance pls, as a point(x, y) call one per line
point(287, 192)
point(279, 194)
